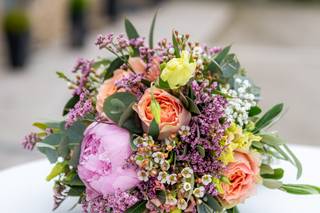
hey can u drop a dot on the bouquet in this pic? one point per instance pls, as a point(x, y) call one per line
point(174, 127)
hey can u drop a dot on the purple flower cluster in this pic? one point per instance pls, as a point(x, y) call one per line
point(206, 130)
point(137, 42)
point(118, 202)
point(85, 67)
point(30, 141)
point(83, 107)
point(103, 41)
point(132, 83)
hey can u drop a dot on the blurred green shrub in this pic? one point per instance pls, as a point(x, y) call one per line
point(78, 5)
point(16, 21)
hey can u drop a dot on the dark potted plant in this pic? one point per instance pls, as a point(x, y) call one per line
point(78, 22)
point(17, 34)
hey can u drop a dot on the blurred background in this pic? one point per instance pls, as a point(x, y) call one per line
point(277, 41)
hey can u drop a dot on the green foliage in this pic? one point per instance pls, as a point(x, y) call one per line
point(16, 21)
point(255, 110)
point(193, 108)
point(213, 203)
point(78, 6)
point(154, 129)
point(161, 195)
point(139, 207)
point(132, 33)
point(50, 153)
point(233, 210)
point(56, 170)
point(114, 65)
point(268, 117)
point(151, 32)
point(201, 150)
point(222, 55)
point(297, 189)
point(70, 104)
point(175, 46)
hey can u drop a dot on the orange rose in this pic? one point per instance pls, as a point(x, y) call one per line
point(108, 88)
point(138, 66)
point(243, 175)
point(172, 114)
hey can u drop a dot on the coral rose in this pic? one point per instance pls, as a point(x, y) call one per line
point(108, 88)
point(243, 175)
point(172, 113)
point(105, 149)
point(138, 66)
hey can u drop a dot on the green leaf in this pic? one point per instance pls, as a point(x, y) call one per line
point(53, 139)
point(116, 104)
point(101, 62)
point(76, 191)
point(74, 161)
point(193, 108)
point(130, 29)
point(257, 145)
point(139, 207)
point(162, 84)
point(204, 208)
point(56, 170)
point(63, 149)
point(39, 125)
point(133, 124)
point(75, 133)
point(154, 129)
point(126, 114)
point(268, 117)
point(51, 153)
point(213, 203)
point(300, 189)
point(255, 110)
point(114, 65)
point(272, 139)
point(277, 174)
point(215, 68)
point(221, 56)
point(161, 195)
point(175, 46)
point(272, 184)
point(70, 104)
point(151, 32)
point(266, 169)
point(230, 66)
point(201, 150)
point(296, 161)
point(233, 210)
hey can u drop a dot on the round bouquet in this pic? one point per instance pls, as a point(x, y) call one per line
point(174, 127)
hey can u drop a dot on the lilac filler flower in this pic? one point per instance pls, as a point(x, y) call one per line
point(105, 149)
point(85, 67)
point(30, 141)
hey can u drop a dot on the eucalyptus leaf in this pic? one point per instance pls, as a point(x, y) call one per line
point(126, 114)
point(75, 133)
point(204, 208)
point(74, 161)
point(221, 56)
point(213, 203)
point(63, 149)
point(53, 139)
point(139, 207)
point(215, 68)
point(50, 153)
point(268, 117)
point(230, 66)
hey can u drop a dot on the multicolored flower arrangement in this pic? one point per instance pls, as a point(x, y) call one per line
point(169, 128)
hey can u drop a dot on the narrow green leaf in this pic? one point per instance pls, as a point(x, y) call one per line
point(154, 129)
point(130, 29)
point(255, 110)
point(175, 45)
point(277, 174)
point(272, 184)
point(56, 170)
point(70, 104)
point(193, 107)
point(201, 150)
point(268, 117)
point(151, 32)
point(139, 207)
point(39, 125)
point(221, 56)
point(114, 65)
point(272, 139)
point(300, 189)
point(297, 163)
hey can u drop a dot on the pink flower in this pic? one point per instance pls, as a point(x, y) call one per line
point(172, 114)
point(105, 149)
point(138, 66)
point(243, 175)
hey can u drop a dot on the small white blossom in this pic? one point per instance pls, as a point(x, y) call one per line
point(60, 159)
point(165, 165)
point(206, 179)
point(171, 50)
point(162, 177)
point(184, 131)
point(157, 157)
point(182, 204)
point(186, 186)
point(143, 175)
point(187, 172)
point(172, 179)
point(199, 192)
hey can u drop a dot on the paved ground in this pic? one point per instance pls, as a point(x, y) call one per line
point(279, 46)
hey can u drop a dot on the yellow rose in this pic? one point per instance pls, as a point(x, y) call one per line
point(178, 71)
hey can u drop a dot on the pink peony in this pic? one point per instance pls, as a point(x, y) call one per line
point(105, 149)
point(243, 175)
